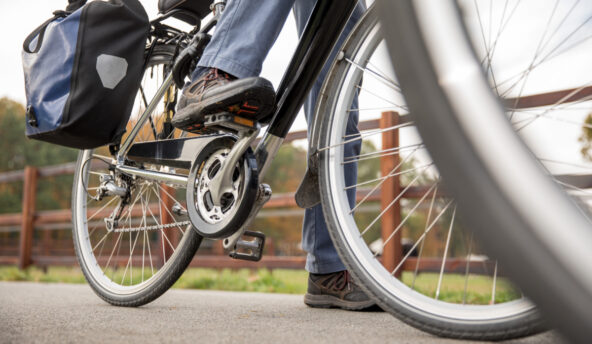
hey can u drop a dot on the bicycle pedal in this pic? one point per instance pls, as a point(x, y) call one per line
point(251, 250)
point(227, 120)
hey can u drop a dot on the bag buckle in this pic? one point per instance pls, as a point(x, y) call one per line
point(31, 117)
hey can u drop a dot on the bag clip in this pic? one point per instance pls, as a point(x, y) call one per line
point(31, 117)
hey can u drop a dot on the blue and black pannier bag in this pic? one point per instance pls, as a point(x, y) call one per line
point(83, 68)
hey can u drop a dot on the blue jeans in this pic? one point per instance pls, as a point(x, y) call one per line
point(243, 37)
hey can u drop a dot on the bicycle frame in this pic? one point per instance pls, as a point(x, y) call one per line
point(312, 52)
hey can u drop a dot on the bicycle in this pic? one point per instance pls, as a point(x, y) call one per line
point(119, 182)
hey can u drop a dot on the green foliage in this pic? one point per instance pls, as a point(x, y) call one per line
point(33, 274)
point(284, 175)
point(282, 281)
point(368, 169)
point(586, 138)
point(16, 152)
point(263, 280)
point(287, 169)
point(453, 287)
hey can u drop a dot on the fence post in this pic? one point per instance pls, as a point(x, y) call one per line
point(166, 206)
point(29, 196)
point(392, 251)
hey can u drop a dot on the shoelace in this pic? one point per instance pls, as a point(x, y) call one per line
point(340, 282)
point(213, 75)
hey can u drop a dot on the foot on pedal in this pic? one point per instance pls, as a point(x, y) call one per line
point(246, 249)
point(218, 92)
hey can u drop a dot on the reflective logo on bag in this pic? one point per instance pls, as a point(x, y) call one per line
point(111, 70)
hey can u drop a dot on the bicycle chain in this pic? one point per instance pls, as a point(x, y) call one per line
point(153, 227)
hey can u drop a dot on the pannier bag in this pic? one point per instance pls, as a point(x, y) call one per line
point(83, 68)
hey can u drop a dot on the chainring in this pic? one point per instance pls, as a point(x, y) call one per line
point(213, 221)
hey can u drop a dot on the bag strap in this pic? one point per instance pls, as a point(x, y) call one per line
point(40, 31)
point(73, 5)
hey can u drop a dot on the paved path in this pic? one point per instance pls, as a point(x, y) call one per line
point(66, 313)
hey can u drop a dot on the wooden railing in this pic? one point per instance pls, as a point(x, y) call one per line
point(30, 219)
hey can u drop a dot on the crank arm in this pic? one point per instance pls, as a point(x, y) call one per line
point(222, 182)
point(263, 196)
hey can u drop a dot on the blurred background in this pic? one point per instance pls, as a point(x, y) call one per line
point(562, 139)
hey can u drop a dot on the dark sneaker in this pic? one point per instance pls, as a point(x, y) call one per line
point(336, 290)
point(218, 92)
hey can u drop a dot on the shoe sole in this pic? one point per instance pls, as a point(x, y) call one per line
point(253, 100)
point(328, 301)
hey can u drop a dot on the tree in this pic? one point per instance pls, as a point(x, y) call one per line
point(287, 169)
point(16, 152)
point(586, 138)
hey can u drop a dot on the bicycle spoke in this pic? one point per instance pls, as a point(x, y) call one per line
point(407, 217)
point(380, 153)
point(445, 254)
point(161, 231)
point(538, 50)
point(390, 175)
point(113, 251)
point(373, 109)
point(382, 182)
point(548, 57)
point(388, 207)
point(485, 44)
point(382, 74)
point(419, 255)
point(166, 208)
point(467, 269)
point(552, 107)
point(421, 238)
point(403, 122)
point(494, 284)
point(400, 107)
point(100, 241)
point(130, 260)
point(364, 135)
point(377, 76)
point(100, 209)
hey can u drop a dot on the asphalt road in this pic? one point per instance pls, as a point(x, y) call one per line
point(67, 313)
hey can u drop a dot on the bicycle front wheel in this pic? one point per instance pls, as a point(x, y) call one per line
point(394, 224)
point(135, 259)
point(503, 181)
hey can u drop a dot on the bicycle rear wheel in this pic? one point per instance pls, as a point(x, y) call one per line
point(441, 281)
point(540, 234)
point(153, 242)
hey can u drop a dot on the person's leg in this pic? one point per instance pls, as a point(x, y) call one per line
point(225, 80)
point(244, 35)
point(322, 257)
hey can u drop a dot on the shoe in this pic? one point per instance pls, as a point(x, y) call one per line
point(219, 92)
point(336, 290)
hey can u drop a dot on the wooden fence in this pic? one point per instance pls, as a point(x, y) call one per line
point(44, 221)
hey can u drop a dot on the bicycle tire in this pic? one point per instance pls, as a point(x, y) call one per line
point(553, 269)
point(503, 321)
point(105, 286)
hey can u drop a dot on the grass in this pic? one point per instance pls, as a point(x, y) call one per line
point(279, 281)
point(452, 289)
point(263, 280)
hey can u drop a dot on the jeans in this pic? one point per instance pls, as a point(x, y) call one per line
point(243, 37)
